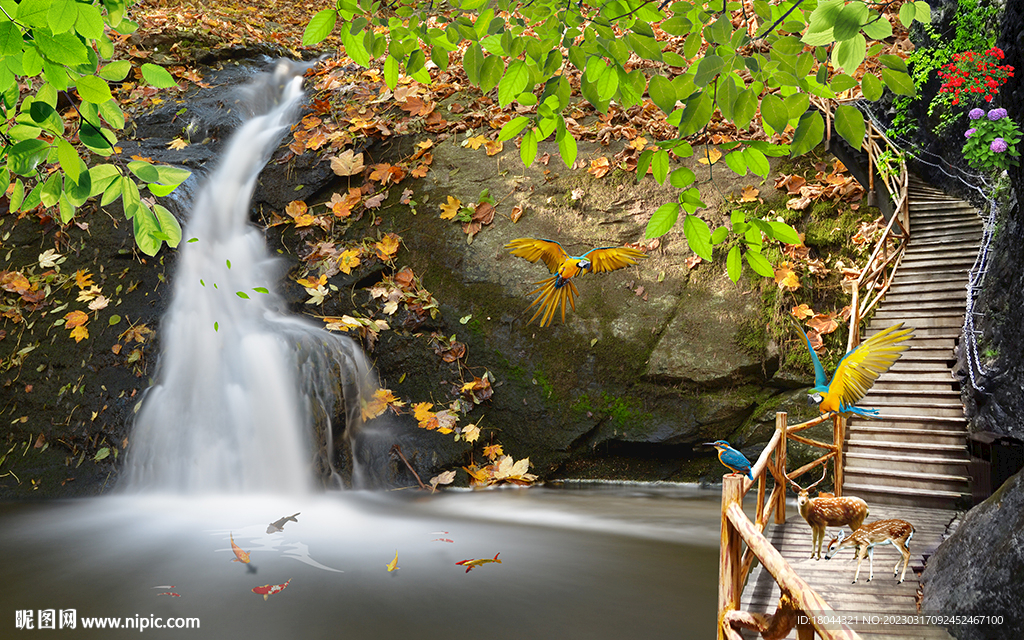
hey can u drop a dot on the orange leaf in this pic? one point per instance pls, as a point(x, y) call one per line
point(422, 412)
point(15, 282)
point(493, 147)
point(75, 318)
point(710, 156)
point(599, 167)
point(387, 247)
point(451, 209)
point(823, 323)
point(296, 208)
point(693, 261)
point(749, 194)
point(348, 260)
point(177, 144)
point(786, 278)
point(802, 311)
point(517, 212)
point(83, 279)
point(474, 142)
point(493, 451)
point(381, 173)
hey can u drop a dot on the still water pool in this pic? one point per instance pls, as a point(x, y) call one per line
point(584, 561)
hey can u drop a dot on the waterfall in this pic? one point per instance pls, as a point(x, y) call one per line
point(245, 395)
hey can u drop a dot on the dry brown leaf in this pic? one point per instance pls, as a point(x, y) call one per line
point(493, 147)
point(710, 156)
point(600, 167)
point(749, 194)
point(347, 163)
point(802, 311)
point(517, 212)
point(823, 323)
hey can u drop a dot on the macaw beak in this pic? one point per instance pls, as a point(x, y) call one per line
point(814, 399)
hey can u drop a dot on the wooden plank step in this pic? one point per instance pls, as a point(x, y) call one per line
point(925, 332)
point(927, 288)
point(945, 410)
point(908, 304)
point(892, 314)
point(880, 393)
point(909, 435)
point(970, 239)
point(905, 491)
point(915, 475)
point(945, 264)
point(936, 299)
point(955, 225)
point(913, 448)
point(917, 378)
point(950, 318)
point(903, 462)
point(897, 420)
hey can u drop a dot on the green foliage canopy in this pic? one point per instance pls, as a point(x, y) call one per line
point(60, 48)
point(770, 61)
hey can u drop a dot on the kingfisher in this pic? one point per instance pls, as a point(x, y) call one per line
point(556, 290)
point(736, 461)
point(857, 371)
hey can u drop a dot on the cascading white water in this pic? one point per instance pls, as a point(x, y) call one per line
point(239, 380)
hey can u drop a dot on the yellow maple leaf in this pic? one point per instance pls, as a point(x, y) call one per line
point(802, 311)
point(387, 247)
point(786, 278)
point(296, 208)
point(79, 333)
point(711, 156)
point(599, 167)
point(305, 220)
point(348, 260)
point(422, 411)
point(451, 209)
point(177, 144)
point(83, 279)
point(471, 432)
point(311, 283)
point(347, 163)
point(475, 142)
point(749, 194)
point(493, 451)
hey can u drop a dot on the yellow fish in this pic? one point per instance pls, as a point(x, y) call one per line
point(240, 556)
point(469, 564)
point(558, 289)
point(393, 564)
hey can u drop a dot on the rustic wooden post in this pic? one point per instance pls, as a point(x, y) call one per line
point(838, 436)
point(729, 559)
point(854, 338)
point(780, 467)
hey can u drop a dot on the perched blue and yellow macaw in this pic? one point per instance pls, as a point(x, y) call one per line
point(556, 290)
point(736, 461)
point(857, 371)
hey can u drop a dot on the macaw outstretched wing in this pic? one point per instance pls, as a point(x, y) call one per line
point(859, 368)
point(820, 377)
point(533, 250)
point(611, 258)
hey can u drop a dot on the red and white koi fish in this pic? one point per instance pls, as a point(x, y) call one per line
point(469, 564)
point(164, 586)
point(170, 593)
point(442, 540)
point(268, 590)
point(240, 556)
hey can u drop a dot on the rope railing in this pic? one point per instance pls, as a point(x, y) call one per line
point(798, 598)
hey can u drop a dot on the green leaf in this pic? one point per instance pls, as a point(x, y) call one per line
point(850, 125)
point(62, 15)
point(93, 89)
point(157, 76)
point(147, 230)
point(68, 158)
point(144, 170)
point(744, 109)
point(734, 262)
point(662, 93)
point(907, 13)
point(644, 46)
point(242, 294)
point(101, 454)
point(848, 54)
point(25, 156)
point(662, 220)
point(923, 12)
point(871, 87)
point(391, 69)
point(90, 24)
point(719, 235)
point(528, 147)
point(512, 128)
point(473, 62)
point(809, 133)
point(607, 83)
point(113, 320)
point(698, 236)
point(567, 148)
point(784, 233)
point(682, 178)
point(61, 48)
point(130, 198)
point(319, 27)
point(10, 39)
point(736, 162)
point(516, 79)
point(849, 20)
point(710, 66)
point(169, 225)
point(52, 188)
point(796, 105)
point(759, 264)
point(659, 166)
point(756, 161)
point(643, 163)
point(842, 82)
point(774, 112)
point(116, 71)
point(878, 28)
point(65, 208)
point(893, 62)
point(899, 82)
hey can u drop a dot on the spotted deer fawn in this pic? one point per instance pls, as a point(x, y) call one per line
point(828, 511)
point(864, 539)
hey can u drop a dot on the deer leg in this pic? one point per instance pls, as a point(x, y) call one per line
point(860, 558)
point(904, 550)
point(871, 562)
point(816, 538)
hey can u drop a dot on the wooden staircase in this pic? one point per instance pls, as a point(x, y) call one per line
point(915, 452)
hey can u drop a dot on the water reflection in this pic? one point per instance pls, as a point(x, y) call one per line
point(595, 562)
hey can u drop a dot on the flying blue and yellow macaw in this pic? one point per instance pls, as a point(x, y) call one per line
point(731, 458)
point(558, 289)
point(857, 371)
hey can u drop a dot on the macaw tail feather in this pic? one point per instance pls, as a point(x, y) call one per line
point(848, 410)
point(550, 297)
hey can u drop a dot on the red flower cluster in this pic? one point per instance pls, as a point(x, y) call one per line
point(972, 72)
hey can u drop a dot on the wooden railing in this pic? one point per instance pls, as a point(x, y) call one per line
point(734, 564)
point(877, 275)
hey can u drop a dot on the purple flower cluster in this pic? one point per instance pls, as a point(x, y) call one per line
point(996, 114)
point(969, 132)
point(998, 145)
point(974, 114)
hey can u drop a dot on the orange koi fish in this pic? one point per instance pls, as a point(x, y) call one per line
point(240, 556)
point(268, 590)
point(469, 564)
